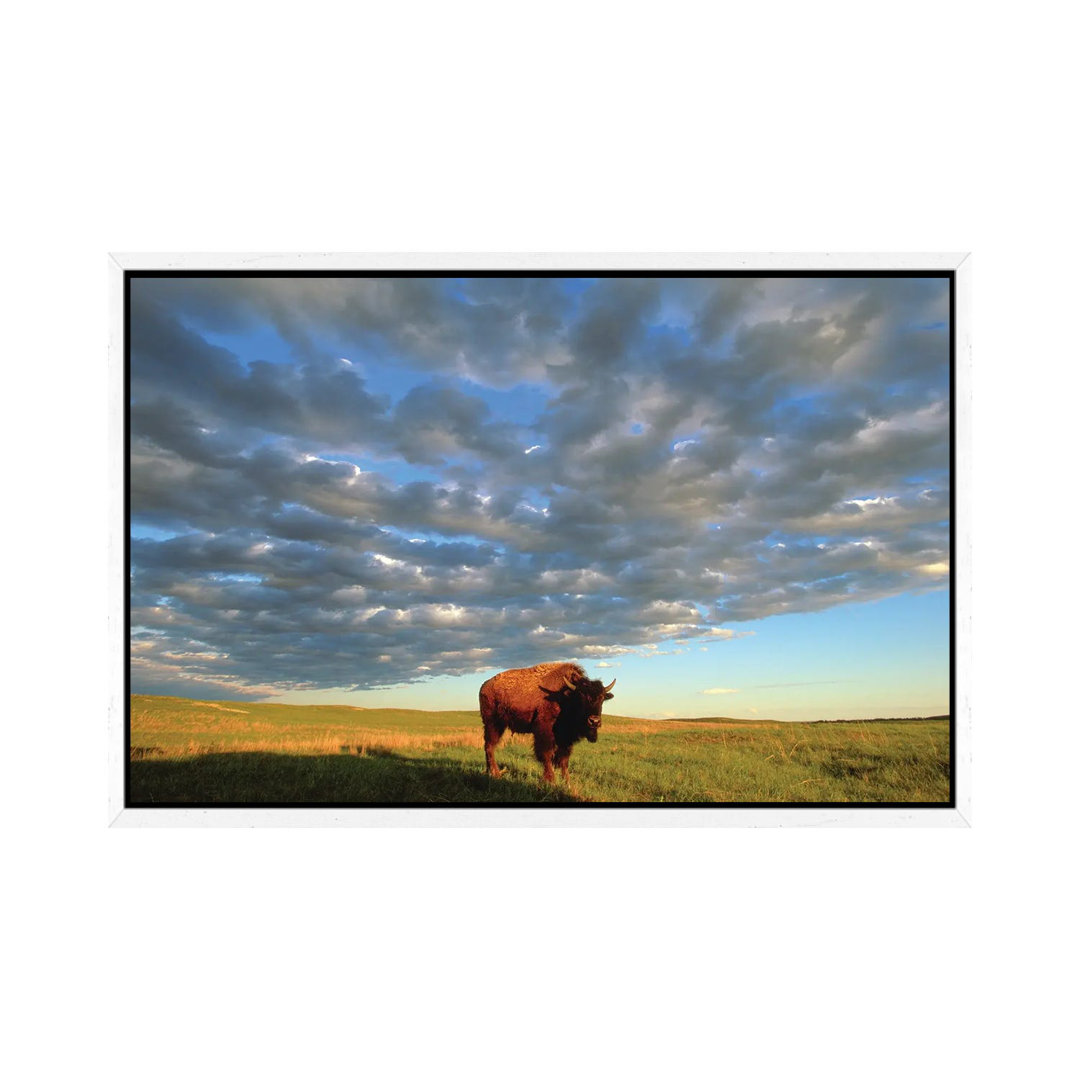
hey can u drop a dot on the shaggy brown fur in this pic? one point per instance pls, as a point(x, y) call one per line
point(538, 701)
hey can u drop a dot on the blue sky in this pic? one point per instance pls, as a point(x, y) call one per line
point(731, 494)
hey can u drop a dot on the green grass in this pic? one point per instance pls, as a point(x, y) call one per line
point(234, 752)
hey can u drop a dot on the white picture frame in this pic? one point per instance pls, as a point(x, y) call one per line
point(956, 815)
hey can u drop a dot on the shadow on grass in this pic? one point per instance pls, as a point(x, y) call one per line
point(258, 779)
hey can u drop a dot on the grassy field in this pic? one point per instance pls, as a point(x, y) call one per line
point(202, 752)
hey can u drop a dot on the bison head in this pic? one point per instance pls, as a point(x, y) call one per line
point(582, 703)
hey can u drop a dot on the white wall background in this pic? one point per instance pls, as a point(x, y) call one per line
point(557, 127)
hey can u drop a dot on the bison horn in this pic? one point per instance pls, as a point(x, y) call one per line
point(568, 684)
point(607, 689)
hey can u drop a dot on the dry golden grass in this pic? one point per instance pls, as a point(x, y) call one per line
point(370, 741)
point(632, 726)
point(215, 728)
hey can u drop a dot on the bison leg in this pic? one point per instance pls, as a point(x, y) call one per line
point(562, 760)
point(493, 732)
point(544, 749)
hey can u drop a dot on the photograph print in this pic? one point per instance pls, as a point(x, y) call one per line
point(512, 538)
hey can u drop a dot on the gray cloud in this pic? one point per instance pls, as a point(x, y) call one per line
point(499, 329)
point(705, 453)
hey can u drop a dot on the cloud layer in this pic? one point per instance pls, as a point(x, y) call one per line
point(347, 482)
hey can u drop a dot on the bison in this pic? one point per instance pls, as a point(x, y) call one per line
point(558, 704)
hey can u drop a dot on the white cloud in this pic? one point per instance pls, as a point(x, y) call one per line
point(935, 569)
point(878, 500)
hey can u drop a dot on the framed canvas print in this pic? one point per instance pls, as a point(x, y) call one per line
point(539, 539)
